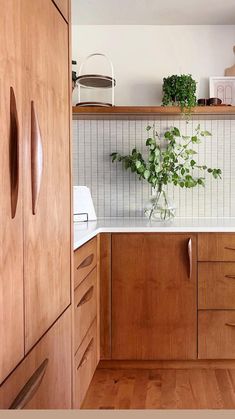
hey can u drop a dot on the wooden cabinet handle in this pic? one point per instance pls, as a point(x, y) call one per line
point(190, 257)
point(30, 388)
point(14, 152)
point(88, 261)
point(230, 276)
point(229, 248)
point(230, 324)
point(86, 297)
point(86, 354)
point(36, 158)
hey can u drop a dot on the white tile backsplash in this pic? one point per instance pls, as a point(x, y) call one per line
point(118, 193)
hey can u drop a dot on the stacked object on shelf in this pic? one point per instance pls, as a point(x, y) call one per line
point(95, 81)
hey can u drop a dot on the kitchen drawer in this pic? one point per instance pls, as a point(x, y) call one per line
point(43, 379)
point(85, 259)
point(216, 334)
point(216, 285)
point(85, 364)
point(216, 247)
point(85, 306)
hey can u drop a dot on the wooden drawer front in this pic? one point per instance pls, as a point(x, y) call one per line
point(43, 379)
point(216, 285)
point(216, 247)
point(85, 259)
point(85, 307)
point(216, 334)
point(85, 365)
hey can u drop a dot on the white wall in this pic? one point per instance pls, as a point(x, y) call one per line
point(143, 55)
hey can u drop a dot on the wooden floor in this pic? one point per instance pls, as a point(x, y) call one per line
point(162, 389)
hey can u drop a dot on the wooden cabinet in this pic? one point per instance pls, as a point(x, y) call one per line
point(86, 318)
point(86, 361)
point(43, 379)
point(35, 232)
point(154, 296)
point(216, 247)
point(63, 6)
point(216, 334)
point(47, 226)
point(216, 285)
point(11, 228)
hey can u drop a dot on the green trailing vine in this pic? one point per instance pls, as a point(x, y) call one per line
point(179, 91)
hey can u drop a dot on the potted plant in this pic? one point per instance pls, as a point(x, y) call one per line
point(179, 91)
point(170, 160)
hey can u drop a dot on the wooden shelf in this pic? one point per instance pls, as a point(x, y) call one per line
point(143, 112)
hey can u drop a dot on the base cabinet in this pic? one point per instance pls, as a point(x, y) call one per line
point(154, 296)
point(43, 379)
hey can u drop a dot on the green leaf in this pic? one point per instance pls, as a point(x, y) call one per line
point(138, 164)
point(148, 128)
point(146, 174)
point(176, 132)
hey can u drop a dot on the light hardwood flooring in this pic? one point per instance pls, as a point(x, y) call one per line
point(161, 389)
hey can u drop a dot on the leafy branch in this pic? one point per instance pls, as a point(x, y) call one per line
point(170, 160)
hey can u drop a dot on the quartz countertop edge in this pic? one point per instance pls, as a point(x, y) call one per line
point(85, 231)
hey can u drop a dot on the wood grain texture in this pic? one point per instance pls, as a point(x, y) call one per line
point(154, 302)
point(149, 365)
point(142, 112)
point(216, 285)
point(105, 296)
point(85, 307)
point(85, 259)
point(63, 6)
point(54, 391)
point(85, 363)
point(47, 234)
point(161, 389)
point(11, 230)
point(217, 247)
point(216, 334)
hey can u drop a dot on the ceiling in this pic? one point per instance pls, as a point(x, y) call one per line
point(153, 12)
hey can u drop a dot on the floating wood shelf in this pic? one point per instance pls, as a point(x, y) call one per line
point(145, 112)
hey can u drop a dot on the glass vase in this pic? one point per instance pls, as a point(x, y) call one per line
point(160, 207)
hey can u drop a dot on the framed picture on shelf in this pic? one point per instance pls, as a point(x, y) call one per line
point(223, 88)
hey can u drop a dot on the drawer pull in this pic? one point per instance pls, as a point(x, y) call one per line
point(88, 261)
point(30, 388)
point(14, 152)
point(87, 296)
point(230, 276)
point(230, 324)
point(229, 248)
point(86, 354)
point(190, 258)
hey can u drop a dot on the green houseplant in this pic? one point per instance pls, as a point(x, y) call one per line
point(170, 160)
point(179, 91)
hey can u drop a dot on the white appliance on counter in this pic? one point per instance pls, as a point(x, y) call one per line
point(83, 207)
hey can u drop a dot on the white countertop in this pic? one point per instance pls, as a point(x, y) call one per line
point(84, 231)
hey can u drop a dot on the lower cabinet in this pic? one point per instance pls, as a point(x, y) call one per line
point(85, 364)
point(86, 318)
point(43, 379)
point(154, 296)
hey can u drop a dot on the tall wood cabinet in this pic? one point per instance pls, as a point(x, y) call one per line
point(11, 189)
point(154, 296)
point(35, 232)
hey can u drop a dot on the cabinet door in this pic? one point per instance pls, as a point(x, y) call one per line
point(47, 248)
point(43, 379)
point(11, 222)
point(154, 310)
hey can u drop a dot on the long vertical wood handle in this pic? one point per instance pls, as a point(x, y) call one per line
point(190, 258)
point(14, 152)
point(36, 158)
point(30, 388)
